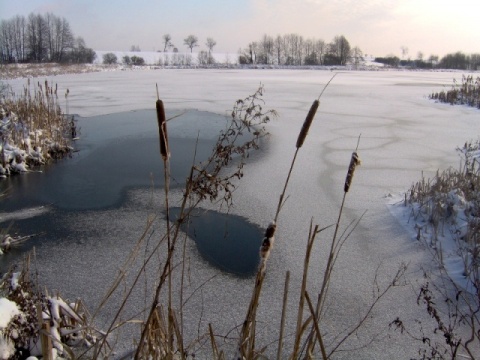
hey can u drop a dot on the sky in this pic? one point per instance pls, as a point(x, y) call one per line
point(377, 27)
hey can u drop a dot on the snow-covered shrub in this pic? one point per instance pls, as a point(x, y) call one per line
point(32, 323)
point(33, 129)
point(448, 207)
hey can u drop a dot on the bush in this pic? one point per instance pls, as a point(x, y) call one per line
point(109, 58)
point(126, 60)
point(137, 60)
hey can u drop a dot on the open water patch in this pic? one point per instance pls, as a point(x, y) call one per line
point(114, 153)
point(228, 242)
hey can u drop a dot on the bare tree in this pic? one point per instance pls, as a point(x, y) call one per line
point(191, 41)
point(167, 41)
point(36, 38)
point(266, 46)
point(320, 49)
point(278, 49)
point(6, 41)
point(340, 50)
point(210, 44)
point(59, 37)
point(404, 51)
point(357, 55)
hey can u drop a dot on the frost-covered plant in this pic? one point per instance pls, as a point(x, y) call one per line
point(466, 93)
point(450, 203)
point(33, 129)
point(448, 206)
point(40, 324)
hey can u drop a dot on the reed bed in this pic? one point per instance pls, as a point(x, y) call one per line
point(33, 128)
point(439, 202)
point(447, 206)
point(466, 93)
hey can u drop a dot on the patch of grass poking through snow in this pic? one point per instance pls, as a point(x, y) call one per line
point(448, 206)
point(33, 128)
point(446, 212)
point(466, 93)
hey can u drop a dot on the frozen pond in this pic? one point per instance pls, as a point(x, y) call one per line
point(402, 135)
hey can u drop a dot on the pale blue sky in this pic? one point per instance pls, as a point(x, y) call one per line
point(378, 27)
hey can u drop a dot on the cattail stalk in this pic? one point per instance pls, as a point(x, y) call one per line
point(300, 140)
point(246, 344)
point(355, 160)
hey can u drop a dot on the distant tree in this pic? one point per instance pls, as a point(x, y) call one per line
point(40, 38)
point(59, 37)
point(167, 42)
point(210, 44)
point(266, 47)
point(339, 50)
point(135, 48)
point(474, 60)
point(36, 38)
point(457, 60)
point(404, 50)
point(249, 55)
point(433, 60)
point(191, 41)
point(109, 58)
point(390, 60)
point(80, 53)
point(278, 49)
point(203, 57)
point(137, 60)
point(126, 60)
point(357, 55)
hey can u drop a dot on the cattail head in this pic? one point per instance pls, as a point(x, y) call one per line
point(354, 161)
point(162, 130)
point(268, 241)
point(306, 124)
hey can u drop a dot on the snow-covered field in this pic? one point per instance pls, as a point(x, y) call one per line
point(402, 135)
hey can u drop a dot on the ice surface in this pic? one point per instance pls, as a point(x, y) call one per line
point(402, 134)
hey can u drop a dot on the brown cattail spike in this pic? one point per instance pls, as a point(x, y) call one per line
point(162, 130)
point(354, 161)
point(268, 241)
point(307, 123)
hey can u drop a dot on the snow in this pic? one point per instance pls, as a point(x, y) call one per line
point(402, 135)
point(8, 309)
point(446, 243)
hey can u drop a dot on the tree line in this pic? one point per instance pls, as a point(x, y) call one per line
point(293, 49)
point(457, 60)
point(41, 38)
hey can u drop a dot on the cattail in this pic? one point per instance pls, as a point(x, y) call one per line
point(307, 123)
point(162, 130)
point(268, 241)
point(354, 161)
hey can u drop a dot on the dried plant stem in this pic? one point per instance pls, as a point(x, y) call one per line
point(282, 195)
point(317, 327)
point(284, 313)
